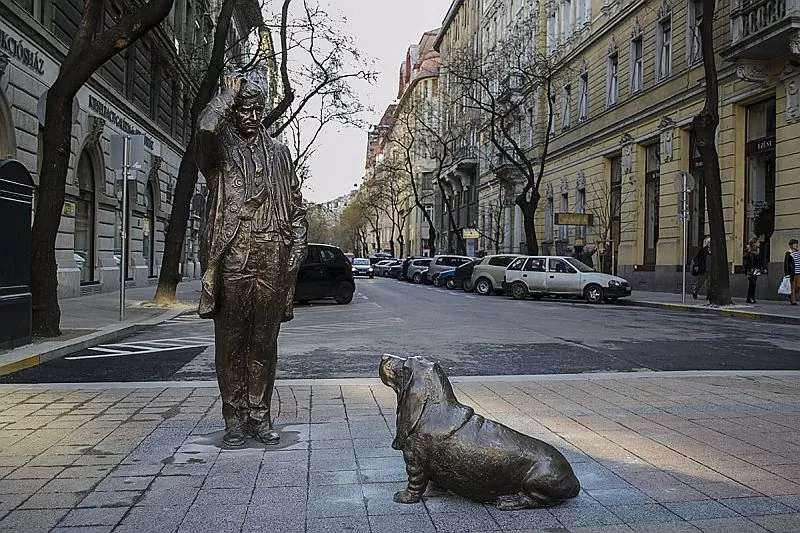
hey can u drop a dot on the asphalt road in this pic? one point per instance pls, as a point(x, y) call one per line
point(467, 333)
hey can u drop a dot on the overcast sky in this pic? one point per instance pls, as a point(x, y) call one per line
point(383, 29)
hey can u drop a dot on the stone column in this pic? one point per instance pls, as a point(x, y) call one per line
point(517, 228)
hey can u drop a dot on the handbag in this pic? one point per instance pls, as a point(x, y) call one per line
point(785, 287)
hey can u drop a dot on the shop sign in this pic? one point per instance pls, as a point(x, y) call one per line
point(470, 233)
point(761, 145)
point(19, 50)
point(574, 219)
point(118, 120)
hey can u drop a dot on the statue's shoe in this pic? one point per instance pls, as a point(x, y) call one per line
point(264, 432)
point(234, 437)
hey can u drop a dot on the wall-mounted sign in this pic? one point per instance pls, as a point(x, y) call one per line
point(574, 219)
point(20, 51)
point(118, 120)
point(471, 233)
point(760, 145)
point(69, 209)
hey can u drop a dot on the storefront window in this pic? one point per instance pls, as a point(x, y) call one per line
point(760, 169)
point(615, 215)
point(84, 219)
point(148, 230)
point(652, 198)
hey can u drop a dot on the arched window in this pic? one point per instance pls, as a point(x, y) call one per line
point(84, 219)
point(149, 229)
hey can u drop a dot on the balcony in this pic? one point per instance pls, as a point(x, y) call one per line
point(465, 159)
point(763, 30)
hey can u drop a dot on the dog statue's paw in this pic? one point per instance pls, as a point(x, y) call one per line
point(512, 502)
point(405, 496)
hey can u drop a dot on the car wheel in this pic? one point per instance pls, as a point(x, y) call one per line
point(435, 280)
point(344, 293)
point(416, 278)
point(593, 294)
point(483, 286)
point(371, 276)
point(450, 283)
point(612, 300)
point(467, 285)
point(519, 291)
point(400, 276)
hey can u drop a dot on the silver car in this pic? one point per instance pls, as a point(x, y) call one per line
point(488, 275)
point(415, 269)
point(441, 262)
point(539, 276)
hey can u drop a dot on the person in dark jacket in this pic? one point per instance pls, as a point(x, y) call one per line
point(700, 266)
point(791, 268)
point(753, 267)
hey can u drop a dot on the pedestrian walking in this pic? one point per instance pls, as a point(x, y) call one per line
point(586, 255)
point(753, 267)
point(700, 267)
point(791, 269)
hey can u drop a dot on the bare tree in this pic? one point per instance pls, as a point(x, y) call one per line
point(495, 235)
point(352, 229)
point(606, 207)
point(500, 85)
point(705, 126)
point(391, 193)
point(92, 45)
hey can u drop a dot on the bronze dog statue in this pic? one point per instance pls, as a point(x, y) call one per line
point(445, 442)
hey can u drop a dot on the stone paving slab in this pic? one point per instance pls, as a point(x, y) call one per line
point(715, 453)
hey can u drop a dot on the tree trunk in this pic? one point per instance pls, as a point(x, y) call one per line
point(87, 52)
point(168, 276)
point(705, 127)
point(50, 199)
point(528, 208)
point(431, 238)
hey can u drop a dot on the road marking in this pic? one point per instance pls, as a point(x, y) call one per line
point(144, 347)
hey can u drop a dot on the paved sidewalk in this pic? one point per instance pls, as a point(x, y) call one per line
point(654, 453)
point(91, 320)
point(776, 311)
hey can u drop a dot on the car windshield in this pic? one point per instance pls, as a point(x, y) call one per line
point(577, 264)
point(361, 261)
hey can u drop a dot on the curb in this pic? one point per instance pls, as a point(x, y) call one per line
point(33, 355)
point(731, 313)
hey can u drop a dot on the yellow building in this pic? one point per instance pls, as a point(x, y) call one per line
point(623, 132)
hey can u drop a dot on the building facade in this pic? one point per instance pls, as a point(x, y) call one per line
point(625, 136)
point(145, 90)
point(628, 81)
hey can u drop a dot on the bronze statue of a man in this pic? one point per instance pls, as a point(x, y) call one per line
point(254, 243)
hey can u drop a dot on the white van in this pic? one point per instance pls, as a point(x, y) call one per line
point(539, 276)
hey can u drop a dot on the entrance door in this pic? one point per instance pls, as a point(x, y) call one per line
point(697, 202)
point(760, 190)
point(534, 275)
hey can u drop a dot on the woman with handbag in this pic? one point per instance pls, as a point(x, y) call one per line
point(753, 267)
point(791, 270)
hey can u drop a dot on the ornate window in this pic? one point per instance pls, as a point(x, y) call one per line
point(637, 58)
point(583, 94)
point(612, 80)
point(566, 108)
point(664, 48)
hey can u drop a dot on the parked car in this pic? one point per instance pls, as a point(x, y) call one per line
point(363, 267)
point(440, 263)
point(443, 277)
point(488, 274)
point(325, 273)
point(562, 276)
point(395, 271)
point(415, 268)
point(425, 277)
point(382, 267)
point(462, 278)
point(379, 256)
point(406, 264)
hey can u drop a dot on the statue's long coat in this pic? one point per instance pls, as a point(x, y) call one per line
point(223, 167)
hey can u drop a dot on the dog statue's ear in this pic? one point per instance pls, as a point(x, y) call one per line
point(411, 400)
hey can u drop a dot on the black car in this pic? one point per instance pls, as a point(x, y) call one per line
point(325, 273)
point(395, 271)
point(462, 275)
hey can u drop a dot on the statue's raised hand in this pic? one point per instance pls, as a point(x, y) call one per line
point(232, 83)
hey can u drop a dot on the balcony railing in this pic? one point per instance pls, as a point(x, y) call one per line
point(760, 29)
point(752, 16)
